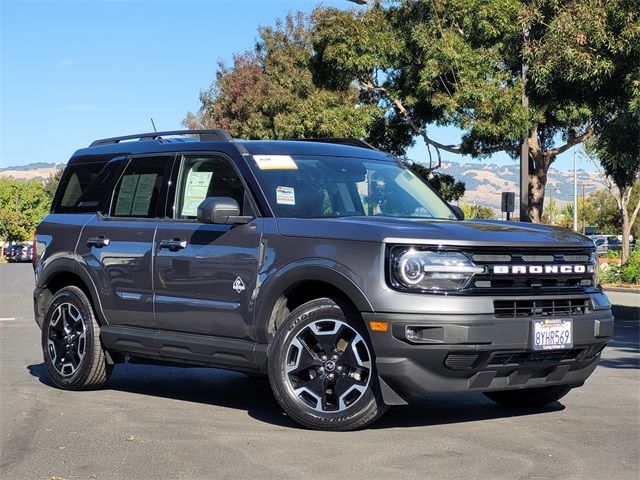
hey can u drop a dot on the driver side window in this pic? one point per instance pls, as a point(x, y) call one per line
point(203, 177)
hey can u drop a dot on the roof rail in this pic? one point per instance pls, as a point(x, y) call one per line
point(354, 142)
point(214, 135)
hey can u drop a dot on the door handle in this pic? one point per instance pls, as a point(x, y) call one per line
point(98, 242)
point(173, 245)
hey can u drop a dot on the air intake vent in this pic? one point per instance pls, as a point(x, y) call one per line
point(564, 307)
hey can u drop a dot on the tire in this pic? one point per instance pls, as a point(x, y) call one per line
point(322, 369)
point(529, 397)
point(71, 347)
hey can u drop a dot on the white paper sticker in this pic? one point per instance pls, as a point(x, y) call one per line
point(144, 192)
point(125, 195)
point(275, 162)
point(285, 196)
point(195, 192)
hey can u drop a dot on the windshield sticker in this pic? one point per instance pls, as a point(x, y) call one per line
point(275, 162)
point(285, 196)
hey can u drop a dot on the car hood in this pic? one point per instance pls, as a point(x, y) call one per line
point(431, 231)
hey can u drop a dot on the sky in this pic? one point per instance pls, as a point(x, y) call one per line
point(75, 71)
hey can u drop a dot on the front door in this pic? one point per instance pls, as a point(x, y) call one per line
point(204, 274)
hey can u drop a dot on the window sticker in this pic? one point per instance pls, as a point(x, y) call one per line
point(125, 195)
point(195, 192)
point(275, 162)
point(285, 196)
point(144, 192)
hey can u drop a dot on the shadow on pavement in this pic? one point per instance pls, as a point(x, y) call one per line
point(253, 394)
point(624, 349)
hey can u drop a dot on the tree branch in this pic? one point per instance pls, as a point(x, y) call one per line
point(402, 110)
point(577, 140)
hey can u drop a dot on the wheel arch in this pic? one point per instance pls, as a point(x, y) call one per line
point(301, 282)
point(65, 272)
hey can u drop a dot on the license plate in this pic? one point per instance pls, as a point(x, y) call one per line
point(552, 334)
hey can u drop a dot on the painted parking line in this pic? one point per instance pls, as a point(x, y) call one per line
point(6, 319)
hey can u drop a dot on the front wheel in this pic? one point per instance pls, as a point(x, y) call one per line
point(322, 369)
point(529, 397)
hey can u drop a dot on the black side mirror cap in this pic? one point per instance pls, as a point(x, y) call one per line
point(221, 210)
point(458, 211)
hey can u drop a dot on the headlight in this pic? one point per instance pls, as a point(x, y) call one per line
point(420, 269)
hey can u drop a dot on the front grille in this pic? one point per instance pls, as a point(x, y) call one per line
point(557, 307)
point(546, 263)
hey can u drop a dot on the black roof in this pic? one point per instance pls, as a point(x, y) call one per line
point(154, 143)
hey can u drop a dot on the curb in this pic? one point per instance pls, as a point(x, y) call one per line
point(622, 289)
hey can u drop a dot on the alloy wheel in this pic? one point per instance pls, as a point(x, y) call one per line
point(66, 343)
point(328, 366)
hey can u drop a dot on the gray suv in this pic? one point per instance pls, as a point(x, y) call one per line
point(327, 265)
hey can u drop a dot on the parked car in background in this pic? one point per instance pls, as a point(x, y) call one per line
point(11, 252)
point(604, 243)
point(19, 253)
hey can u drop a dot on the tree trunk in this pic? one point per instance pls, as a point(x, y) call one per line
point(626, 232)
point(537, 185)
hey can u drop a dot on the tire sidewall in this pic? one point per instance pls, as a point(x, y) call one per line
point(297, 321)
point(79, 300)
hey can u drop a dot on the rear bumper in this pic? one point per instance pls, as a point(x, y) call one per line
point(463, 353)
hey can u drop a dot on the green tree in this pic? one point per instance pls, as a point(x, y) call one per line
point(273, 93)
point(450, 188)
point(23, 204)
point(270, 93)
point(502, 71)
point(476, 211)
point(618, 150)
point(51, 184)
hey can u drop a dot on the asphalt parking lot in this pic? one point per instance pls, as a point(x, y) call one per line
point(154, 422)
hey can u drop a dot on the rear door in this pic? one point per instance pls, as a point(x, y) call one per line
point(204, 274)
point(116, 246)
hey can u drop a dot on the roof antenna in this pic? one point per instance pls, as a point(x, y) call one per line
point(154, 125)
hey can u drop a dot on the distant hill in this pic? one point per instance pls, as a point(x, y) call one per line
point(38, 170)
point(485, 181)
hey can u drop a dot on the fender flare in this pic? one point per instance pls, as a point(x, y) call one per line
point(71, 263)
point(316, 269)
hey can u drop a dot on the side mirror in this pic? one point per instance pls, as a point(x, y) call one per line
point(458, 211)
point(221, 210)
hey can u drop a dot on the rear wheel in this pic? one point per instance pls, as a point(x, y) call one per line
point(73, 354)
point(529, 397)
point(322, 370)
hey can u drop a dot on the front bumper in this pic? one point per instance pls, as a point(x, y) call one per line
point(463, 353)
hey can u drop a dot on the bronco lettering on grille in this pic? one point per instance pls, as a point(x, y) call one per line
point(542, 269)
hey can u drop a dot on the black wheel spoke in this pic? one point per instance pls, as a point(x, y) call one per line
point(328, 365)
point(64, 336)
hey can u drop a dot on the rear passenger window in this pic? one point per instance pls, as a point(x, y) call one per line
point(76, 179)
point(138, 193)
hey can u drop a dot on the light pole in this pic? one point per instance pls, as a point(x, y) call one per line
point(575, 192)
point(551, 215)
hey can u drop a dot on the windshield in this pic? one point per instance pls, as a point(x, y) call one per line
point(321, 187)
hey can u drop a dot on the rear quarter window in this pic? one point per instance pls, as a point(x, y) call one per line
point(74, 183)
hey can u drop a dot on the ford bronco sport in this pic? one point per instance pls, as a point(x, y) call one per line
point(327, 265)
